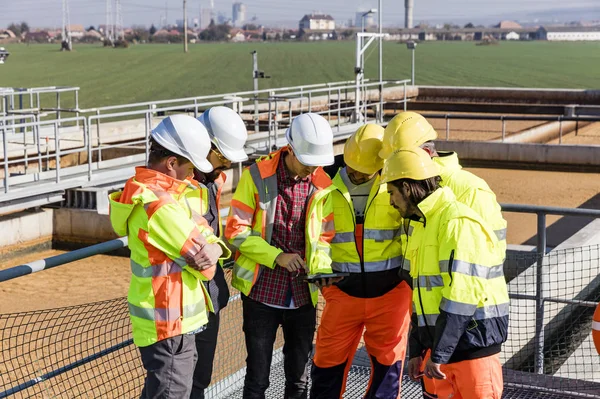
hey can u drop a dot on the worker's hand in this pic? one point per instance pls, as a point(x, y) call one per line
point(433, 370)
point(207, 257)
point(326, 282)
point(292, 262)
point(414, 368)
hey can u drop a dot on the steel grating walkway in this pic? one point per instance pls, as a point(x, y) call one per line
point(358, 379)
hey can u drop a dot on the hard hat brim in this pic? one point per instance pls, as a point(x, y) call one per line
point(235, 156)
point(315, 160)
point(202, 165)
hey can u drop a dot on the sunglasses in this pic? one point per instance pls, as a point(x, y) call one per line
point(220, 156)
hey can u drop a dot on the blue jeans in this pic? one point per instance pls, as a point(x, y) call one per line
point(260, 329)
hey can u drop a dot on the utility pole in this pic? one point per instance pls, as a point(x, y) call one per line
point(185, 41)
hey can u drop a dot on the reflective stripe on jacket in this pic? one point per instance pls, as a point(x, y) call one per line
point(460, 296)
point(376, 272)
point(158, 214)
point(251, 216)
point(474, 192)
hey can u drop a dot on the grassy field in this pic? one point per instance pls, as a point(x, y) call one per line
point(151, 72)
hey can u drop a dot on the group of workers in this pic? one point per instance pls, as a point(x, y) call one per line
point(420, 243)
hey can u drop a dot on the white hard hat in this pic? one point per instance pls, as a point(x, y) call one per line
point(227, 131)
point(311, 138)
point(185, 136)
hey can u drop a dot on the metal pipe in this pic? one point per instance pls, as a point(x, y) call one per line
point(404, 100)
point(58, 260)
point(447, 127)
point(540, 293)
point(5, 160)
point(560, 130)
point(57, 150)
point(503, 129)
point(358, 72)
point(550, 210)
point(339, 106)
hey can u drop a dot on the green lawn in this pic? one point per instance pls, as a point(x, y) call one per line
point(150, 72)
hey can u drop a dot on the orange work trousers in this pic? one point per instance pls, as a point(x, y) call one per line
point(470, 379)
point(385, 321)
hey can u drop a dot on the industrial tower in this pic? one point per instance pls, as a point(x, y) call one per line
point(108, 34)
point(67, 43)
point(408, 13)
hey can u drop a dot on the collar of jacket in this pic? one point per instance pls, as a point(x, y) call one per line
point(151, 177)
point(447, 162)
point(376, 188)
point(267, 166)
point(436, 201)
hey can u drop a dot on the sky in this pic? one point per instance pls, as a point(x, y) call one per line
point(48, 13)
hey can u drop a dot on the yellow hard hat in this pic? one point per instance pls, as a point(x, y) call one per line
point(361, 151)
point(409, 163)
point(406, 130)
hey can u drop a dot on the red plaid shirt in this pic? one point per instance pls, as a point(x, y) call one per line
point(277, 286)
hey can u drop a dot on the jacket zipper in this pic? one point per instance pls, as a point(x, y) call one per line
point(362, 258)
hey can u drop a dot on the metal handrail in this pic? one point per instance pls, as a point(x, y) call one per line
point(55, 261)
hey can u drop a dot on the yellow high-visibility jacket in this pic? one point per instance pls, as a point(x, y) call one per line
point(251, 217)
point(159, 215)
point(460, 298)
point(474, 192)
point(377, 271)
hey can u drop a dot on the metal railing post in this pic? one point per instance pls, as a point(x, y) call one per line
point(39, 144)
point(147, 127)
point(77, 105)
point(290, 110)
point(328, 102)
point(88, 135)
point(270, 126)
point(339, 109)
point(57, 150)
point(560, 129)
point(275, 127)
point(5, 160)
point(98, 136)
point(309, 101)
point(540, 288)
point(503, 128)
point(380, 118)
point(404, 99)
point(58, 106)
point(447, 127)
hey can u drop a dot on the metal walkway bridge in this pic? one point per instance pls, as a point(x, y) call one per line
point(46, 151)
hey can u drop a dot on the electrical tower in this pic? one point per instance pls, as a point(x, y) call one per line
point(66, 44)
point(119, 21)
point(108, 34)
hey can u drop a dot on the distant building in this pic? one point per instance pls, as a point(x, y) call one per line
point(77, 31)
point(569, 33)
point(206, 15)
point(317, 22)
point(369, 20)
point(512, 36)
point(508, 25)
point(39, 37)
point(237, 36)
point(7, 34)
point(238, 14)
